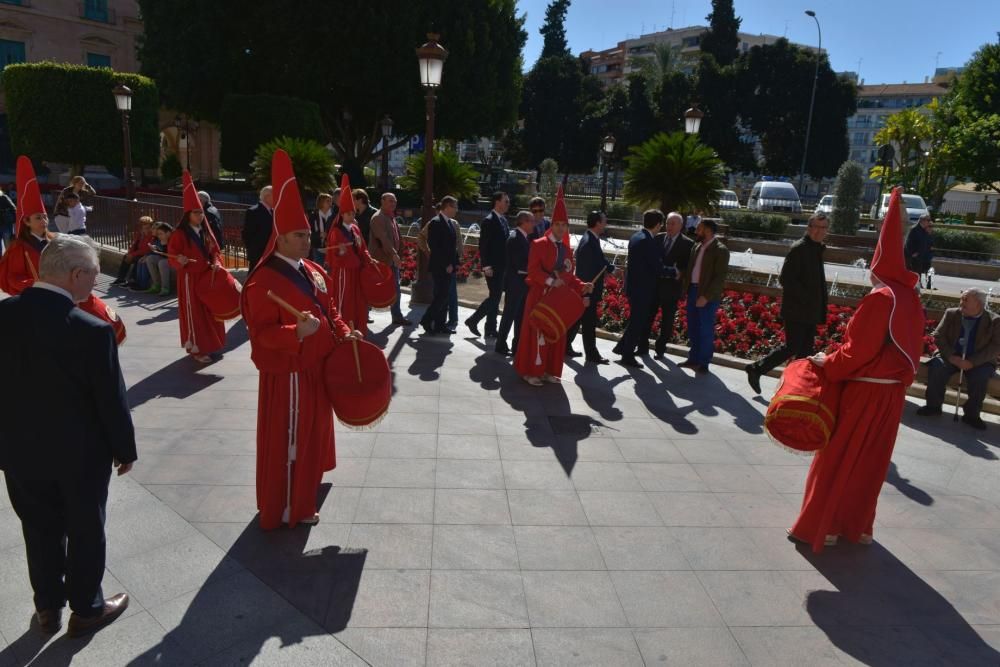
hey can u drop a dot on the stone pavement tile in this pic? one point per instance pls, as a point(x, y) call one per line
point(405, 385)
point(668, 477)
point(4, 498)
point(709, 451)
point(298, 642)
point(395, 647)
point(349, 472)
point(409, 403)
point(691, 509)
point(519, 425)
point(458, 547)
point(138, 522)
point(557, 548)
point(408, 423)
point(451, 446)
point(519, 448)
point(181, 498)
point(378, 505)
point(471, 506)
point(953, 548)
point(920, 471)
point(761, 451)
point(593, 449)
point(754, 598)
point(536, 474)
point(546, 508)
point(945, 511)
point(639, 548)
point(195, 469)
point(787, 647)
point(477, 599)
point(10, 529)
point(393, 546)
point(592, 647)
point(777, 552)
point(619, 508)
point(971, 645)
point(977, 477)
point(355, 444)
point(649, 450)
point(498, 648)
point(174, 441)
point(886, 646)
point(468, 405)
point(413, 473)
point(633, 427)
point(665, 600)
point(572, 600)
point(519, 408)
point(228, 503)
point(719, 549)
point(460, 423)
point(759, 509)
point(733, 478)
point(604, 476)
point(974, 595)
point(469, 474)
point(784, 479)
point(387, 599)
point(402, 446)
point(705, 647)
point(340, 504)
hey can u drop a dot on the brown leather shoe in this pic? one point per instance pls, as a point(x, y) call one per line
point(84, 625)
point(49, 620)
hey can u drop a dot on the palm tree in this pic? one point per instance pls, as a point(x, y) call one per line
point(312, 162)
point(451, 176)
point(673, 172)
point(666, 60)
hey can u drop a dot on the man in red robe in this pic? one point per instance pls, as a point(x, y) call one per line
point(876, 363)
point(346, 255)
point(294, 418)
point(550, 264)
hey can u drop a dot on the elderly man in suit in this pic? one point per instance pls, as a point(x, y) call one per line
point(591, 262)
point(967, 339)
point(645, 267)
point(386, 246)
point(493, 234)
point(57, 470)
point(704, 282)
point(676, 249)
point(213, 217)
point(442, 264)
point(257, 226)
point(515, 289)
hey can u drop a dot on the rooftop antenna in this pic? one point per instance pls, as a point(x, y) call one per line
point(937, 59)
point(786, 29)
point(859, 68)
point(673, 6)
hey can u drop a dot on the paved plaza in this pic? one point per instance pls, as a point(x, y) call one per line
point(620, 518)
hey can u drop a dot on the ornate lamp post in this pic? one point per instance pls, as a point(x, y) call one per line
point(123, 100)
point(812, 100)
point(608, 148)
point(692, 119)
point(430, 57)
point(187, 126)
point(386, 133)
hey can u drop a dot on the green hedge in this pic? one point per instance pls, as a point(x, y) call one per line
point(247, 121)
point(965, 241)
point(754, 225)
point(66, 113)
point(618, 211)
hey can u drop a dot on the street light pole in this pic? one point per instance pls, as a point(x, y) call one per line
point(386, 133)
point(812, 99)
point(608, 148)
point(185, 124)
point(123, 100)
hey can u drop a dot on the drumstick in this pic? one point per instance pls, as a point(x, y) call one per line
point(599, 274)
point(287, 306)
point(168, 256)
point(357, 359)
point(31, 266)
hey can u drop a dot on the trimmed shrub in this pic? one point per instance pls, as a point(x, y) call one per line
point(451, 176)
point(755, 225)
point(312, 163)
point(848, 191)
point(961, 241)
point(247, 121)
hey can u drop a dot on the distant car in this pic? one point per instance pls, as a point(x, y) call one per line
point(774, 196)
point(915, 207)
point(825, 204)
point(727, 200)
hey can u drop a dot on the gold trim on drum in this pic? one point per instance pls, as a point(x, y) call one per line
point(805, 399)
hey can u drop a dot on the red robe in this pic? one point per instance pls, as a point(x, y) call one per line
point(345, 269)
point(16, 273)
point(845, 478)
point(534, 356)
point(291, 383)
point(201, 333)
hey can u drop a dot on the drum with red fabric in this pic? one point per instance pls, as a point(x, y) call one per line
point(556, 312)
point(377, 285)
point(359, 399)
point(803, 411)
point(103, 311)
point(220, 293)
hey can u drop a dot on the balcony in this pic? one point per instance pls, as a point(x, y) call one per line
point(92, 10)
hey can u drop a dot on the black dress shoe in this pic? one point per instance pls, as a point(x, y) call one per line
point(573, 354)
point(630, 362)
point(444, 330)
point(928, 411)
point(502, 349)
point(597, 360)
point(753, 377)
point(701, 370)
point(49, 620)
point(642, 351)
point(473, 326)
point(975, 421)
point(428, 329)
point(687, 364)
point(85, 625)
point(661, 350)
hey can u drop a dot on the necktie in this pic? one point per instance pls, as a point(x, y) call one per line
point(506, 228)
point(305, 274)
point(668, 244)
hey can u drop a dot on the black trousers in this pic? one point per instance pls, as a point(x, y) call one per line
point(513, 311)
point(436, 314)
point(667, 307)
point(636, 336)
point(977, 379)
point(491, 304)
point(799, 339)
point(63, 526)
point(586, 326)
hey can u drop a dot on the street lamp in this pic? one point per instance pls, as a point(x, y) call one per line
point(430, 57)
point(812, 99)
point(608, 147)
point(386, 133)
point(187, 126)
point(123, 100)
point(692, 119)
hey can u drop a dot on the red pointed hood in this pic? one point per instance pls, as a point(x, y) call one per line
point(559, 214)
point(29, 197)
point(191, 200)
point(289, 215)
point(346, 202)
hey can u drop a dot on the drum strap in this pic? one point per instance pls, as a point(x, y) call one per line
point(199, 241)
point(302, 283)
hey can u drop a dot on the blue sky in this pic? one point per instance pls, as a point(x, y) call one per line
point(895, 40)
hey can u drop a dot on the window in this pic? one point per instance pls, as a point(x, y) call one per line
point(860, 138)
point(691, 41)
point(11, 52)
point(96, 10)
point(98, 60)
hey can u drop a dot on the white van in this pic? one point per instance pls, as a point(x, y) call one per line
point(774, 196)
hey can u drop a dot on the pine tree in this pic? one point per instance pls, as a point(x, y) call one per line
point(554, 29)
point(722, 38)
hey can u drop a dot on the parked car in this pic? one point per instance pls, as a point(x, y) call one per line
point(825, 204)
point(774, 196)
point(727, 200)
point(915, 207)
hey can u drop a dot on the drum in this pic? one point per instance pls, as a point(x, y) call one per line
point(220, 293)
point(103, 311)
point(357, 403)
point(556, 312)
point(378, 287)
point(803, 411)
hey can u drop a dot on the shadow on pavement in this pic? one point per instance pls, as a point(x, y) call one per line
point(431, 351)
point(964, 437)
point(904, 486)
point(27, 649)
point(175, 380)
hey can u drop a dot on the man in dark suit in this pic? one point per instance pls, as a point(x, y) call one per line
point(213, 217)
point(320, 221)
point(363, 212)
point(443, 261)
point(676, 249)
point(515, 289)
point(57, 465)
point(257, 226)
point(590, 260)
point(493, 235)
point(645, 267)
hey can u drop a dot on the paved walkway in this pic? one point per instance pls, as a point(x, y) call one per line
point(621, 518)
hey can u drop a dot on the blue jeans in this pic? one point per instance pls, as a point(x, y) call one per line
point(453, 299)
point(396, 309)
point(701, 328)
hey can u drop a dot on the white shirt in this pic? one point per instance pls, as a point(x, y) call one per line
point(696, 271)
point(77, 217)
point(294, 263)
point(40, 284)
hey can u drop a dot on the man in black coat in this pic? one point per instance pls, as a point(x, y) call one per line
point(515, 289)
point(590, 261)
point(320, 221)
point(493, 234)
point(213, 216)
point(920, 248)
point(257, 226)
point(443, 261)
point(676, 249)
point(57, 460)
point(645, 267)
point(363, 212)
point(803, 299)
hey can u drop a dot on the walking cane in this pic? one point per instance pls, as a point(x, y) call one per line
point(961, 374)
